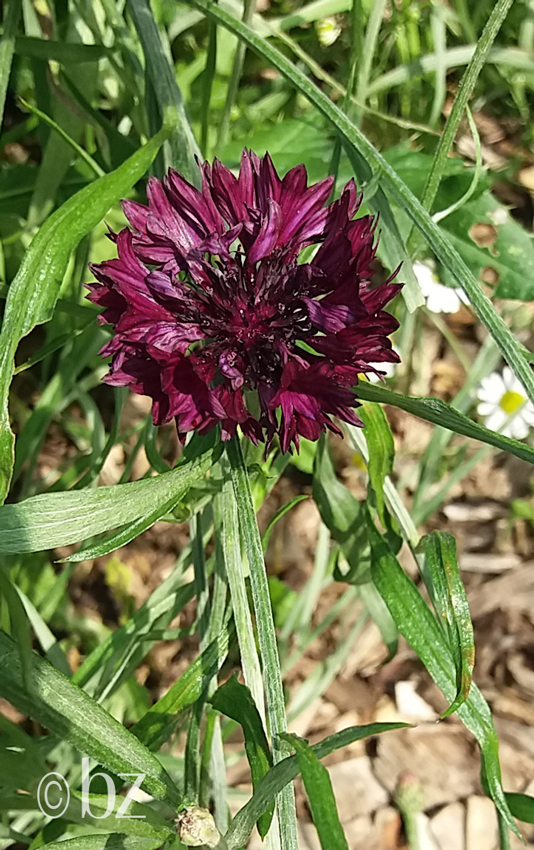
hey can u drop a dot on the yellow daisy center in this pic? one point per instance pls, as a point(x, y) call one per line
point(511, 401)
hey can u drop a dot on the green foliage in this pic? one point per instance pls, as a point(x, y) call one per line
point(235, 700)
point(99, 80)
point(321, 796)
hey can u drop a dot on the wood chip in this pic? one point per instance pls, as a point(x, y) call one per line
point(482, 831)
point(448, 827)
point(487, 562)
point(356, 789)
point(441, 758)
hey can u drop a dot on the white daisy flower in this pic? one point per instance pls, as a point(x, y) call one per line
point(328, 31)
point(505, 404)
point(439, 298)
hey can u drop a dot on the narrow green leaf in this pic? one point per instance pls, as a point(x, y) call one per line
point(104, 841)
point(379, 439)
point(49, 643)
point(12, 10)
point(20, 625)
point(285, 771)
point(82, 153)
point(235, 700)
point(465, 90)
point(278, 515)
point(156, 726)
point(391, 248)
point(161, 75)
point(32, 295)
point(68, 712)
point(342, 515)
point(66, 53)
point(418, 625)
point(450, 601)
point(521, 806)
point(128, 532)
point(141, 820)
point(440, 413)
point(379, 613)
point(320, 795)
point(58, 519)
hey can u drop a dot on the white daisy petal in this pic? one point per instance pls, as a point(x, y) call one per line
point(492, 386)
point(518, 428)
point(485, 408)
point(503, 402)
point(496, 421)
point(439, 298)
point(425, 276)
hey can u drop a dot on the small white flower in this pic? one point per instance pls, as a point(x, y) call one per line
point(328, 31)
point(439, 298)
point(505, 404)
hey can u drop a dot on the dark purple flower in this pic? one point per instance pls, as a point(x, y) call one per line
point(219, 316)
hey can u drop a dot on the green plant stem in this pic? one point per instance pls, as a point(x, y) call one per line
point(244, 506)
point(201, 582)
point(86, 157)
point(465, 90)
point(161, 74)
point(207, 85)
point(12, 11)
point(233, 85)
point(356, 31)
point(371, 36)
point(228, 546)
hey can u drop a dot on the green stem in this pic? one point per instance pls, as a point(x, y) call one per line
point(356, 31)
point(201, 582)
point(465, 90)
point(371, 35)
point(244, 506)
point(7, 47)
point(207, 85)
point(228, 547)
point(160, 72)
point(233, 85)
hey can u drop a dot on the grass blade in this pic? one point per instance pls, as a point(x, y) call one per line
point(12, 11)
point(320, 795)
point(418, 625)
point(71, 714)
point(465, 90)
point(58, 519)
point(161, 75)
point(450, 602)
point(440, 413)
point(285, 771)
point(33, 293)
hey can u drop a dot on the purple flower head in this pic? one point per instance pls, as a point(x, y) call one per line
point(248, 302)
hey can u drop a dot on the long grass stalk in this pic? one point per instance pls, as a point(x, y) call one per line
point(233, 85)
point(276, 711)
point(465, 90)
